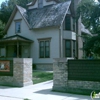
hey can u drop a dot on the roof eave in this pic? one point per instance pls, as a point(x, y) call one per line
point(10, 20)
point(65, 14)
point(24, 18)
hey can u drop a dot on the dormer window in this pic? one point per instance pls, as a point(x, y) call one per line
point(40, 3)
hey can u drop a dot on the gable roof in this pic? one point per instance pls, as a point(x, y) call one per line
point(15, 38)
point(48, 16)
point(23, 14)
point(52, 15)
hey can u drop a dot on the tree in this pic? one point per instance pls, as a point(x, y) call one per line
point(8, 6)
point(90, 14)
point(1, 29)
point(93, 45)
point(6, 10)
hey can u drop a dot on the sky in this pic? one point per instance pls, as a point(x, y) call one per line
point(1, 1)
point(4, 0)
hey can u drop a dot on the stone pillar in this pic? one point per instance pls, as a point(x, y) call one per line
point(22, 73)
point(60, 73)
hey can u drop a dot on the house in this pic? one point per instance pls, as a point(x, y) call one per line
point(47, 29)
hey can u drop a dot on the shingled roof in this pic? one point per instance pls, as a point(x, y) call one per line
point(48, 16)
point(52, 15)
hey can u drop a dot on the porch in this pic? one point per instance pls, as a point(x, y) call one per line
point(15, 46)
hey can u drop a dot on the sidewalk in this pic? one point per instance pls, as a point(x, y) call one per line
point(41, 91)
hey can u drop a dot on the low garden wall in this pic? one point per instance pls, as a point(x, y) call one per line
point(19, 73)
point(76, 76)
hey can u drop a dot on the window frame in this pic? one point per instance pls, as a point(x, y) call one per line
point(44, 47)
point(74, 24)
point(72, 48)
point(17, 21)
point(66, 23)
point(66, 49)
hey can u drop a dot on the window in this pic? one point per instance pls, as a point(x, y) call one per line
point(74, 25)
point(68, 48)
point(44, 48)
point(74, 48)
point(40, 3)
point(67, 23)
point(18, 27)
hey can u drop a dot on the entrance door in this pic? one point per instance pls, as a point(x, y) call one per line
point(18, 51)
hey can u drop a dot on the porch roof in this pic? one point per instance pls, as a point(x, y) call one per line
point(15, 38)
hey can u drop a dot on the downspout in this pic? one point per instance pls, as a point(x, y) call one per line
point(61, 41)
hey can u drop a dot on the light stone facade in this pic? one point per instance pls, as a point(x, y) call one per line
point(22, 73)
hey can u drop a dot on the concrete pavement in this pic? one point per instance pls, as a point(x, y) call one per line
point(41, 91)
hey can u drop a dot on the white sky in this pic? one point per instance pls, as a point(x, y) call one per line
point(1, 1)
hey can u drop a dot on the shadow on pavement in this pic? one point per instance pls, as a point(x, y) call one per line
point(66, 95)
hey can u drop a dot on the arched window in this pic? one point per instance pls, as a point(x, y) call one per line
point(40, 3)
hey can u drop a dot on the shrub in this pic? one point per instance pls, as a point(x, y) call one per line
point(34, 66)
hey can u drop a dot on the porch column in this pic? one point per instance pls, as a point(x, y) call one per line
point(17, 49)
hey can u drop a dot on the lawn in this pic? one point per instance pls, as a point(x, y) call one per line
point(41, 76)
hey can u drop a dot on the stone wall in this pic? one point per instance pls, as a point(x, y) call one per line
point(60, 73)
point(22, 73)
point(63, 84)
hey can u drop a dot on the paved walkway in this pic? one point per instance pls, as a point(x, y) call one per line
point(41, 91)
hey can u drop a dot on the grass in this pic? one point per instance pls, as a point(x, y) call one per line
point(39, 76)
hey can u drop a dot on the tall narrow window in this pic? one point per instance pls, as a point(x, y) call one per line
point(40, 3)
point(18, 27)
point(44, 49)
point(74, 25)
point(47, 49)
point(74, 48)
point(68, 48)
point(67, 23)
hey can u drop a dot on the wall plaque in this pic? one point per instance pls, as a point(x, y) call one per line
point(6, 67)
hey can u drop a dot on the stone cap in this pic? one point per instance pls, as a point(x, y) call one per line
point(62, 59)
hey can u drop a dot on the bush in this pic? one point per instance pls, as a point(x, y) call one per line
point(34, 66)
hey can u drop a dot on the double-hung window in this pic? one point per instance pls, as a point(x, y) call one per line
point(74, 48)
point(68, 22)
point(17, 26)
point(70, 48)
point(44, 49)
